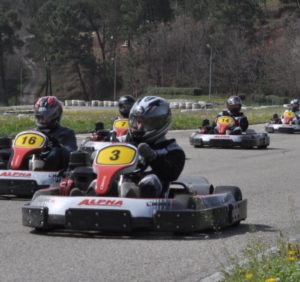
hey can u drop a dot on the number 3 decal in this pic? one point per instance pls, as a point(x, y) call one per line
point(115, 155)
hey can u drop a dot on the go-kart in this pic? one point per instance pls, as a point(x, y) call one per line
point(227, 134)
point(106, 203)
point(22, 173)
point(101, 136)
point(288, 123)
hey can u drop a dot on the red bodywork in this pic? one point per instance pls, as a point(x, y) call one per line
point(224, 123)
point(288, 117)
point(25, 143)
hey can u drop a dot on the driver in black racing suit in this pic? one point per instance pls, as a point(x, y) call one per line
point(48, 112)
point(149, 121)
point(125, 104)
point(234, 105)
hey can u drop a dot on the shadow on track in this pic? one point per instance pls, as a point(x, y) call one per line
point(148, 235)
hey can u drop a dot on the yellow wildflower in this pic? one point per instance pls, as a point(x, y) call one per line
point(291, 258)
point(271, 280)
point(248, 276)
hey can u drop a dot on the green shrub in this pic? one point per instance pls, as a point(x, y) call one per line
point(268, 99)
point(173, 91)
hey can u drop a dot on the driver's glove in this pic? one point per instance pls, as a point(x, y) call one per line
point(51, 143)
point(146, 152)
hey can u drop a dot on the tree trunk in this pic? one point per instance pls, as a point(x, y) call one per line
point(77, 67)
point(2, 73)
point(101, 42)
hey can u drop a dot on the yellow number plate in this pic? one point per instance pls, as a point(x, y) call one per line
point(225, 120)
point(289, 114)
point(29, 140)
point(121, 124)
point(116, 155)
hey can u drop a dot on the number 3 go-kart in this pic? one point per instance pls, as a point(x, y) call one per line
point(101, 136)
point(226, 137)
point(187, 207)
point(284, 125)
point(22, 172)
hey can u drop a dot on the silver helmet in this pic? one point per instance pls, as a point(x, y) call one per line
point(149, 119)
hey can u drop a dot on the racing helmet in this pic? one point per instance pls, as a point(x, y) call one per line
point(149, 119)
point(294, 105)
point(125, 104)
point(47, 111)
point(234, 104)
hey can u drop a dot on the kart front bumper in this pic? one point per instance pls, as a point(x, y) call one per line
point(24, 188)
point(229, 141)
point(116, 220)
point(25, 183)
point(282, 128)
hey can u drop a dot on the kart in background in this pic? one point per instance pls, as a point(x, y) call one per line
point(101, 136)
point(225, 136)
point(22, 173)
point(286, 124)
point(111, 201)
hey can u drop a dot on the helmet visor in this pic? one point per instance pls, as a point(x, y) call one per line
point(145, 124)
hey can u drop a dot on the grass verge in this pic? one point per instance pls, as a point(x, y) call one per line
point(266, 264)
point(83, 121)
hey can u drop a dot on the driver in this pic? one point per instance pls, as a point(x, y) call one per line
point(294, 107)
point(234, 105)
point(149, 121)
point(125, 104)
point(48, 112)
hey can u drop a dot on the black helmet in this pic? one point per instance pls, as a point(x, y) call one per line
point(234, 104)
point(125, 105)
point(294, 105)
point(48, 111)
point(154, 116)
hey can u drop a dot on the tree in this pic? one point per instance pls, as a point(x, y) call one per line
point(61, 37)
point(9, 40)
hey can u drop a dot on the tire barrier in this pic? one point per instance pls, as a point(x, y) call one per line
point(186, 105)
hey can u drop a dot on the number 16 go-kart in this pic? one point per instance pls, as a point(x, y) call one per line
point(288, 123)
point(104, 206)
point(225, 136)
point(22, 173)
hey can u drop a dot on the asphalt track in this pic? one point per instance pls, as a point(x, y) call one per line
point(269, 179)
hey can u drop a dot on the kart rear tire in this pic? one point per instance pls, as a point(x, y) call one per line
point(200, 145)
point(269, 129)
point(236, 191)
point(262, 147)
point(51, 191)
point(5, 142)
point(43, 229)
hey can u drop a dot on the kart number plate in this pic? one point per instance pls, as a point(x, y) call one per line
point(121, 124)
point(116, 155)
point(289, 114)
point(29, 140)
point(225, 120)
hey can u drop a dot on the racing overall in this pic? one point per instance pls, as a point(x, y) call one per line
point(165, 167)
point(239, 117)
point(63, 143)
